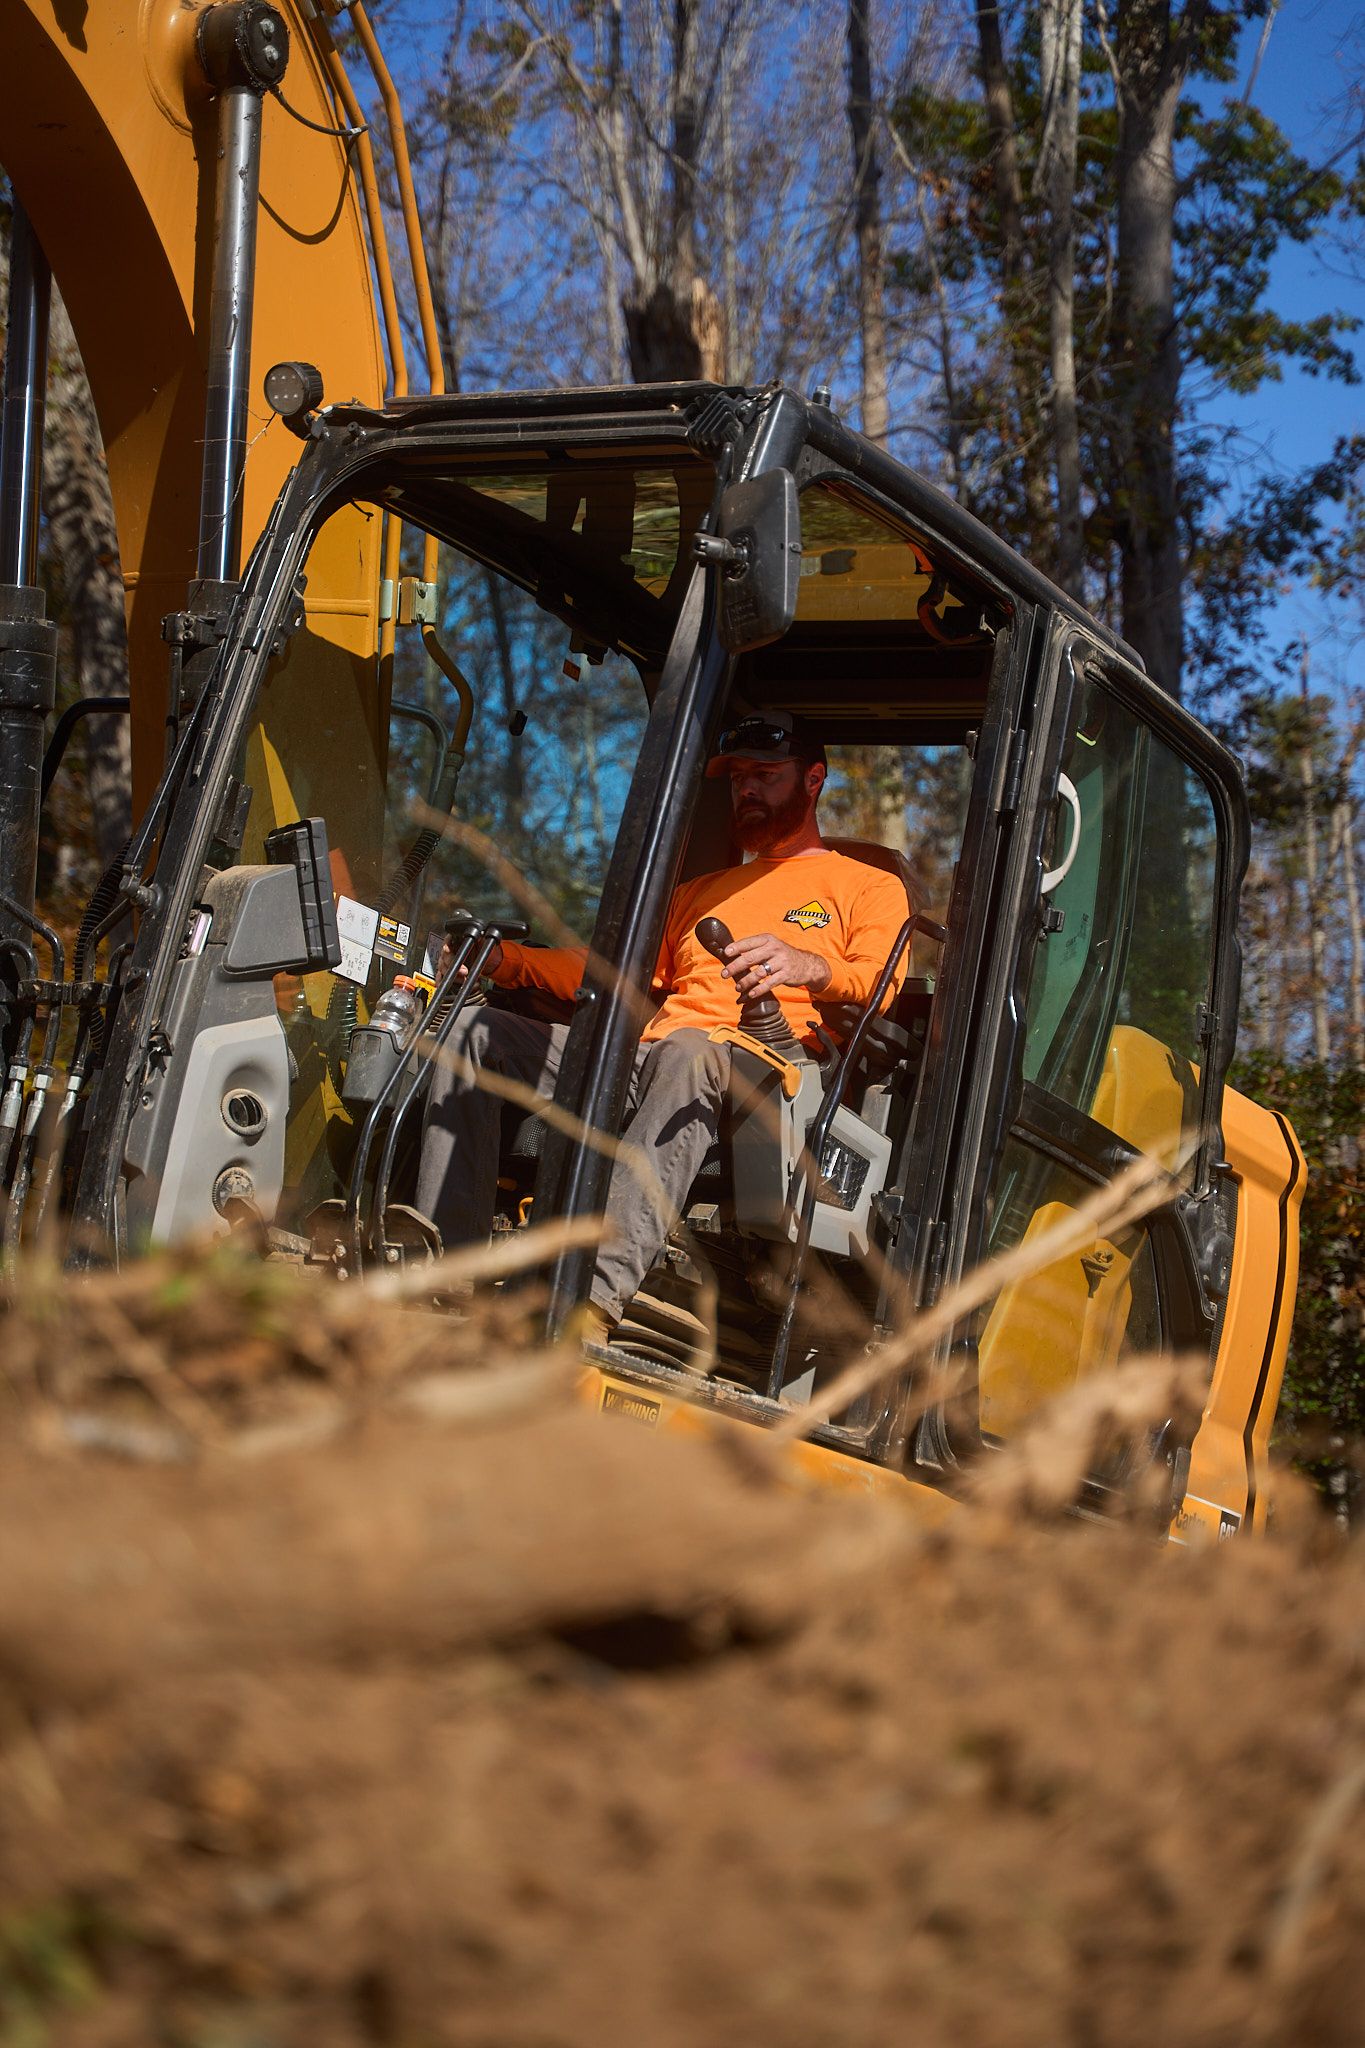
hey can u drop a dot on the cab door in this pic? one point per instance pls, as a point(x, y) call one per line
point(1118, 1028)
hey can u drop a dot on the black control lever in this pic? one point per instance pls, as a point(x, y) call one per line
point(761, 1016)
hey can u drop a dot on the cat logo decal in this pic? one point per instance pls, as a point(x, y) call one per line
point(812, 916)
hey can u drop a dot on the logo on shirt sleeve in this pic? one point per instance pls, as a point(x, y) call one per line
point(812, 916)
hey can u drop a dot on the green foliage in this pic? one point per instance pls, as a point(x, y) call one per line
point(1244, 193)
point(1271, 734)
point(47, 1969)
point(1324, 1388)
point(1307, 525)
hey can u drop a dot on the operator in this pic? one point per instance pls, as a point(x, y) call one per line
point(808, 922)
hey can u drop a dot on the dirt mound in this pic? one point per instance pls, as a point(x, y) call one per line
point(543, 1731)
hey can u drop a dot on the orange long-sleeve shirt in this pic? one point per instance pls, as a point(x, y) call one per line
point(844, 910)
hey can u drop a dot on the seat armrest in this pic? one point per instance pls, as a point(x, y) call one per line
point(885, 1033)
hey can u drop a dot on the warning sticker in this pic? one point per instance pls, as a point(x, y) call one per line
point(393, 939)
point(639, 1408)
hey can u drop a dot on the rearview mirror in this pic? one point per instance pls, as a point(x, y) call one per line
point(757, 550)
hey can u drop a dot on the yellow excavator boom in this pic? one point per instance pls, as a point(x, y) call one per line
point(109, 136)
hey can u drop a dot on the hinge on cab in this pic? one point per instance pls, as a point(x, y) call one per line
point(934, 1264)
point(1014, 772)
point(416, 601)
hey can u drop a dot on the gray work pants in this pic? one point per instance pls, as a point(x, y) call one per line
point(676, 1091)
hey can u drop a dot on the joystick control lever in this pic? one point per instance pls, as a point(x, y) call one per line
point(761, 1016)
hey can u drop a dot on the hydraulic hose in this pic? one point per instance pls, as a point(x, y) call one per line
point(414, 861)
point(106, 896)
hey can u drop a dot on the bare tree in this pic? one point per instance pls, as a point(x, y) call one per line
point(1150, 57)
point(867, 222)
point(1312, 875)
point(1014, 276)
point(80, 519)
point(645, 156)
point(1060, 52)
point(81, 532)
point(1343, 847)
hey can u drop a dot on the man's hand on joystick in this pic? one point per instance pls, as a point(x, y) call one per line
point(760, 964)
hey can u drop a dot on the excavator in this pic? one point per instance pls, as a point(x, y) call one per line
point(326, 572)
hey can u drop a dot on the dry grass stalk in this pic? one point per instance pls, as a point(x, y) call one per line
point(497, 1260)
point(1042, 1470)
point(1131, 1194)
point(1308, 1876)
point(619, 1150)
point(132, 1355)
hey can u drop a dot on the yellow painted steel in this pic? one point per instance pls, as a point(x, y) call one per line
point(109, 137)
point(804, 1464)
point(1228, 1457)
point(1070, 1319)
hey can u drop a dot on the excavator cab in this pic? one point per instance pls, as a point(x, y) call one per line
point(619, 575)
point(468, 683)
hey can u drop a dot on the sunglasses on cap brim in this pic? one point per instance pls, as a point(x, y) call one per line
point(753, 740)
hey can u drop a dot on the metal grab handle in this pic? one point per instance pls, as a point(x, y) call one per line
point(421, 1075)
point(1066, 788)
point(390, 1089)
point(819, 1128)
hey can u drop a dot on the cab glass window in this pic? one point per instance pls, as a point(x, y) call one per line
point(856, 566)
point(1113, 1048)
point(912, 799)
point(603, 546)
point(1074, 1318)
point(356, 722)
point(1118, 993)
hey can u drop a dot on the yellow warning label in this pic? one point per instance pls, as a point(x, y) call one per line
point(639, 1408)
point(812, 916)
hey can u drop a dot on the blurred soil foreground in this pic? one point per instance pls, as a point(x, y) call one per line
point(357, 1686)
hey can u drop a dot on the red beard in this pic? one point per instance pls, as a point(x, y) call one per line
point(760, 826)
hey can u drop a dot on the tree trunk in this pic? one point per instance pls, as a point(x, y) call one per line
point(1317, 937)
point(1060, 31)
point(729, 267)
point(867, 221)
point(1153, 65)
point(1344, 842)
point(80, 517)
point(1009, 199)
point(674, 325)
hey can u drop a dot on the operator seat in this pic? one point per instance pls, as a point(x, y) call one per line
point(898, 1032)
point(895, 1037)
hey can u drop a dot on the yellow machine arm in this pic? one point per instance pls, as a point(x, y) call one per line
point(108, 134)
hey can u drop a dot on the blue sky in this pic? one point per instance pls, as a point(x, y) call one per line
point(1315, 55)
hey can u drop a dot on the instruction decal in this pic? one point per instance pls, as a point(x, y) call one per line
point(358, 928)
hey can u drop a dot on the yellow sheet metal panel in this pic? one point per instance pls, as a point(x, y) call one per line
point(1071, 1319)
point(805, 1464)
point(1058, 1325)
point(110, 142)
point(1228, 1457)
point(1144, 1093)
